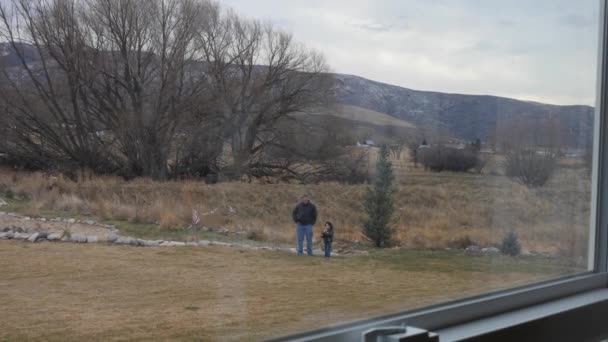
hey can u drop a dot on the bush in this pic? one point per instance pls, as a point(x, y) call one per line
point(348, 168)
point(529, 167)
point(256, 235)
point(442, 158)
point(510, 244)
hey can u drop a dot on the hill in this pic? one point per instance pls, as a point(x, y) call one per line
point(463, 116)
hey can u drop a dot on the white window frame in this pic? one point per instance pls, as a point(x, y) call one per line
point(590, 287)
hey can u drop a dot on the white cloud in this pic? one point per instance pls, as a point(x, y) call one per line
point(543, 50)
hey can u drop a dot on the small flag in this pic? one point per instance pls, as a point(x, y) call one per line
point(195, 218)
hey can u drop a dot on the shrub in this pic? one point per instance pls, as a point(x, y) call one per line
point(9, 194)
point(379, 204)
point(529, 167)
point(256, 235)
point(348, 168)
point(510, 244)
point(442, 158)
point(169, 220)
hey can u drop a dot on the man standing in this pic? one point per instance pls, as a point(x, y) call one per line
point(305, 216)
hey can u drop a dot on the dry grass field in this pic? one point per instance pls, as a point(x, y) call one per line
point(434, 210)
point(70, 292)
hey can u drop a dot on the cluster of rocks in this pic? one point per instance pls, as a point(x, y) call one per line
point(476, 250)
point(16, 233)
point(38, 235)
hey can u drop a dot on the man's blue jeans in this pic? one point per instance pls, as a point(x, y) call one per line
point(304, 230)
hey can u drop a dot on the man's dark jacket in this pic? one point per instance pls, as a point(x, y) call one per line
point(305, 214)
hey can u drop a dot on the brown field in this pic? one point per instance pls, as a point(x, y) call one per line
point(434, 210)
point(96, 292)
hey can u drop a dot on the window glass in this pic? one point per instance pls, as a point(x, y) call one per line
point(168, 166)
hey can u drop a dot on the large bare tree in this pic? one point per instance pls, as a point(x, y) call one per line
point(259, 76)
point(123, 85)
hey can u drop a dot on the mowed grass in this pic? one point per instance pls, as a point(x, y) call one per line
point(70, 292)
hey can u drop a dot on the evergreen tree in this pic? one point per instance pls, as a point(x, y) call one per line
point(510, 244)
point(378, 202)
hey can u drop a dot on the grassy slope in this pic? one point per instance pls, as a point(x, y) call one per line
point(68, 292)
point(367, 116)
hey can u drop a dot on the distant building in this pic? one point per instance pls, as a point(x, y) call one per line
point(366, 143)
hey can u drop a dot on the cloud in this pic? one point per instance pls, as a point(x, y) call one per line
point(369, 25)
point(543, 50)
point(575, 21)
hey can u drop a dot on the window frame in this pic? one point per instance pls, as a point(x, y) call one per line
point(461, 311)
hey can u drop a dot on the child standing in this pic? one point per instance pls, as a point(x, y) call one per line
point(328, 237)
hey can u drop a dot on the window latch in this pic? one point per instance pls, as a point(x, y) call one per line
point(398, 334)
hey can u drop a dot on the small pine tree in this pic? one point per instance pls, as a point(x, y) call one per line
point(510, 244)
point(378, 202)
point(476, 145)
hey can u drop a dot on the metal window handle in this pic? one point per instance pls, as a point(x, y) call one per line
point(398, 334)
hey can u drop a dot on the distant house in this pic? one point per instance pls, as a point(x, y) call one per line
point(366, 143)
point(456, 146)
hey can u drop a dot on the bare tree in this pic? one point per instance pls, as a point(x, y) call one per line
point(260, 76)
point(121, 86)
point(51, 120)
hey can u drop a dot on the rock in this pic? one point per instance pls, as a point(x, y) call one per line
point(54, 237)
point(21, 236)
point(175, 244)
point(191, 244)
point(18, 230)
point(42, 219)
point(151, 243)
point(473, 250)
point(89, 222)
point(12, 214)
point(204, 243)
point(2, 213)
point(71, 220)
point(7, 229)
point(122, 240)
point(6, 235)
point(78, 238)
point(490, 250)
point(27, 218)
point(92, 239)
point(112, 238)
point(2, 202)
point(33, 237)
point(219, 243)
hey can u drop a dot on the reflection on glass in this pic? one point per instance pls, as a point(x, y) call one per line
point(188, 152)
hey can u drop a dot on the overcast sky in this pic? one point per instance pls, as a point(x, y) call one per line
point(541, 50)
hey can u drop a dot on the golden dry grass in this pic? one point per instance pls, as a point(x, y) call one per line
point(434, 210)
point(69, 292)
point(367, 116)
